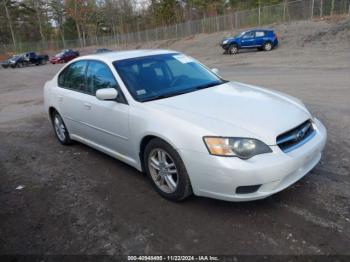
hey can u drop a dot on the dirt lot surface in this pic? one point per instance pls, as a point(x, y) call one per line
point(76, 200)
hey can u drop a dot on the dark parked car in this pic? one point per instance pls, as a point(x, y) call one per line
point(26, 59)
point(64, 56)
point(35, 59)
point(262, 39)
point(102, 50)
point(13, 61)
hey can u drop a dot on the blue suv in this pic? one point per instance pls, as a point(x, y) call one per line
point(262, 39)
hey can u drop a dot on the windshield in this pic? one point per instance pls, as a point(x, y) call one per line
point(239, 34)
point(160, 76)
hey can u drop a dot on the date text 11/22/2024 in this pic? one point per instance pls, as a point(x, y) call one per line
point(173, 258)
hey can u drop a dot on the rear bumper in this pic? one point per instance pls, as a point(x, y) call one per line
point(55, 61)
point(219, 177)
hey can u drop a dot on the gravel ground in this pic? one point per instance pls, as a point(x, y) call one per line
point(76, 200)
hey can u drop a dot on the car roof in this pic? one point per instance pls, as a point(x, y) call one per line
point(259, 29)
point(121, 55)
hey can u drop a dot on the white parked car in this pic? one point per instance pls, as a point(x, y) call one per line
point(166, 114)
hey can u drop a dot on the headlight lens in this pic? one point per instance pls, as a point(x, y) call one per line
point(224, 42)
point(236, 146)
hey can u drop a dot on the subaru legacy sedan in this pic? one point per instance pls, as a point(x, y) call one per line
point(187, 128)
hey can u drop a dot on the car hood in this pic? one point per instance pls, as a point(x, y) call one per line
point(236, 109)
point(13, 59)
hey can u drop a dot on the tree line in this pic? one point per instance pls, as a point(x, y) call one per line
point(45, 20)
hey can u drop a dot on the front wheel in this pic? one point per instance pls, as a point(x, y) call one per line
point(166, 170)
point(60, 129)
point(233, 49)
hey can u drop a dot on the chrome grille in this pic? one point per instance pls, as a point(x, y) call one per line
point(296, 137)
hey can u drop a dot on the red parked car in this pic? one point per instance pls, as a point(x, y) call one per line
point(64, 56)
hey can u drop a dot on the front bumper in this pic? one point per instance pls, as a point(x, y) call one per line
point(219, 177)
point(225, 46)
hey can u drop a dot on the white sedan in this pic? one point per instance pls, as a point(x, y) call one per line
point(191, 131)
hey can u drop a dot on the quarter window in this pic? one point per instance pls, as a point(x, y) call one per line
point(73, 77)
point(99, 76)
point(259, 34)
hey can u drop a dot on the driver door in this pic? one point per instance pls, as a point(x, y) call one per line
point(248, 40)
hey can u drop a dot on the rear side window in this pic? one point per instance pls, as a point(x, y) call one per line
point(73, 77)
point(259, 34)
point(99, 76)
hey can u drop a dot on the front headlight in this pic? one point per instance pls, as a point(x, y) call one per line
point(235, 146)
point(224, 42)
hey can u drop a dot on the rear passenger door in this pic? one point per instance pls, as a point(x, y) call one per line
point(106, 122)
point(71, 94)
point(259, 38)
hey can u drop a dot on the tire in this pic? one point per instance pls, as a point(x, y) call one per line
point(166, 170)
point(233, 49)
point(19, 65)
point(60, 129)
point(268, 46)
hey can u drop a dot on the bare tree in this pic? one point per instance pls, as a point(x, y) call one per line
point(58, 16)
point(37, 6)
point(10, 23)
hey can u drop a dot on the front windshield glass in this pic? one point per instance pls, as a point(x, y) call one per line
point(160, 76)
point(239, 34)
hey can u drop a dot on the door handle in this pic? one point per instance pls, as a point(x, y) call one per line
point(60, 98)
point(87, 106)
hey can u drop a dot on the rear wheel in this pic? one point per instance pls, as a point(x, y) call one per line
point(60, 129)
point(166, 170)
point(268, 46)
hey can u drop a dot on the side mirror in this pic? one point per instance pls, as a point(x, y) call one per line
point(106, 94)
point(215, 71)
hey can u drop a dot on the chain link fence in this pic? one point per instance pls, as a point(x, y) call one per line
point(286, 11)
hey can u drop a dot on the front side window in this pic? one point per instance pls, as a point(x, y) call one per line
point(248, 35)
point(99, 76)
point(159, 76)
point(73, 77)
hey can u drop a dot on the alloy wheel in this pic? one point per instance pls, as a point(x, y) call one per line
point(268, 46)
point(60, 128)
point(163, 170)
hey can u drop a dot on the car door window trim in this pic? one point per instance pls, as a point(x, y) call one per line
point(122, 99)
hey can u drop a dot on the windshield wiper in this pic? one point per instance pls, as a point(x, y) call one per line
point(208, 85)
point(165, 96)
point(184, 91)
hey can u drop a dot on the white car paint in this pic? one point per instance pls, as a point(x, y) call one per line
point(231, 109)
